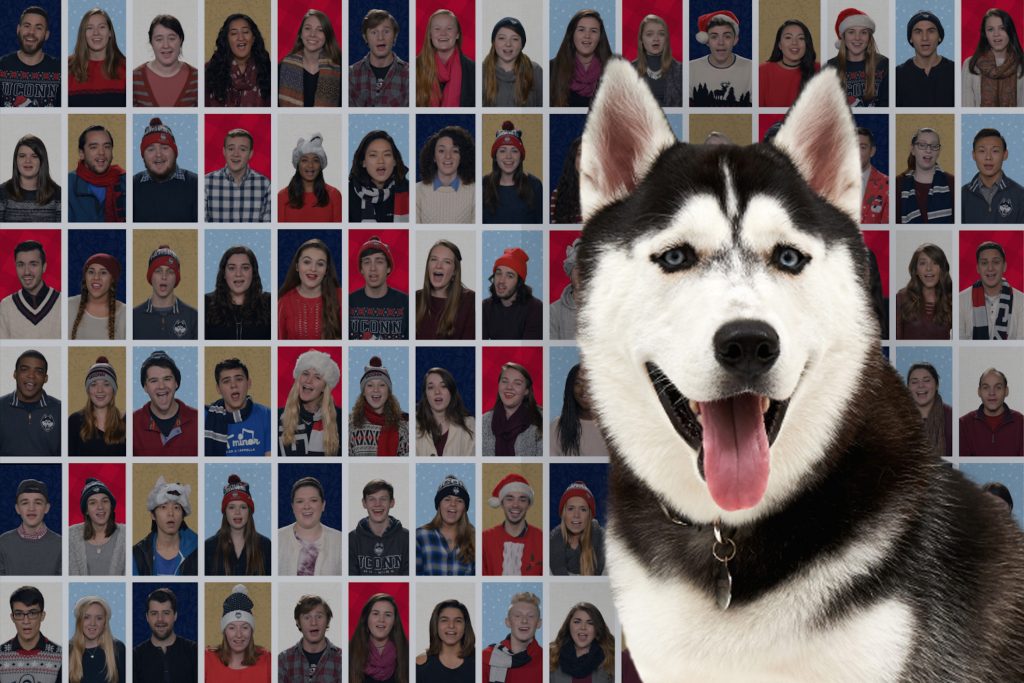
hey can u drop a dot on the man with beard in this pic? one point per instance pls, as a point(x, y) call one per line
point(32, 312)
point(29, 77)
point(377, 311)
point(163, 315)
point(164, 656)
point(512, 312)
point(163, 193)
point(237, 193)
point(314, 657)
point(164, 425)
point(96, 188)
point(29, 417)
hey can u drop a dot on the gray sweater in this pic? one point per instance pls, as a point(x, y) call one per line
point(19, 557)
point(77, 547)
point(528, 444)
point(506, 96)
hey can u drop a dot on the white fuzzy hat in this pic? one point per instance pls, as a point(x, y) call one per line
point(322, 363)
point(314, 145)
point(169, 492)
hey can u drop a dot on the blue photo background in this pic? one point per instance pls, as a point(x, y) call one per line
point(596, 478)
point(185, 357)
point(187, 595)
point(357, 49)
point(288, 241)
point(219, 241)
point(396, 361)
point(943, 10)
point(561, 14)
point(458, 360)
point(185, 128)
point(428, 124)
point(561, 361)
point(12, 475)
point(329, 477)
point(496, 598)
point(84, 243)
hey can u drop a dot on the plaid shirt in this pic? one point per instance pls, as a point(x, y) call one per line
point(433, 558)
point(228, 202)
point(293, 667)
point(362, 85)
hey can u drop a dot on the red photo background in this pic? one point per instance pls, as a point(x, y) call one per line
point(289, 21)
point(50, 239)
point(530, 357)
point(669, 10)
point(359, 593)
point(878, 242)
point(111, 474)
point(560, 239)
point(464, 10)
point(286, 356)
point(397, 241)
point(971, 13)
point(217, 126)
point(1012, 242)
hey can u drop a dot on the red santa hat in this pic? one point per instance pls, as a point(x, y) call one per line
point(851, 17)
point(704, 21)
point(510, 483)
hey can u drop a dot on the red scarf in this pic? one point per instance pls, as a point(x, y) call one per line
point(387, 441)
point(451, 75)
point(108, 180)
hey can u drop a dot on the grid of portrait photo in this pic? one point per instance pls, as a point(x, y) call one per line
point(289, 385)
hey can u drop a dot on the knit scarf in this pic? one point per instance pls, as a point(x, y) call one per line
point(387, 440)
point(380, 666)
point(108, 180)
point(998, 83)
point(979, 312)
point(370, 196)
point(450, 75)
point(585, 78)
point(579, 667)
point(935, 428)
point(289, 85)
point(308, 553)
point(503, 659)
point(507, 429)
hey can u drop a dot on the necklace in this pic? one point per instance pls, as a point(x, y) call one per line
point(653, 74)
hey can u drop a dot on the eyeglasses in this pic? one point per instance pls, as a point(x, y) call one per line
point(32, 614)
point(925, 147)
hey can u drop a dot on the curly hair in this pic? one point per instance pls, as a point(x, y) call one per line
point(218, 69)
point(463, 140)
point(567, 192)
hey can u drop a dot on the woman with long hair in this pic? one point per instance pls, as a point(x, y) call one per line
point(924, 308)
point(444, 76)
point(578, 64)
point(927, 194)
point(584, 648)
point(308, 198)
point(99, 427)
point(445, 307)
point(511, 195)
point(446, 545)
point(96, 544)
point(992, 76)
point(97, 66)
point(863, 71)
point(447, 173)
point(309, 302)
point(166, 81)
point(443, 425)
point(310, 74)
point(575, 431)
point(96, 313)
point(95, 655)
point(515, 425)
point(309, 421)
point(655, 63)
point(30, 195)
point(238, 659)
point(378, 650)
point(791, 64)
point(923, 383)
point(238, 308)
point(451, 655)
point(378, 190)
point(577, 543)
point(565, 198)
point(511, 79)
point(238, 73)
point(377, 425)
point(237, 549)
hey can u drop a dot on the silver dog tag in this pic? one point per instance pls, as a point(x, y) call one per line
point(723, 587)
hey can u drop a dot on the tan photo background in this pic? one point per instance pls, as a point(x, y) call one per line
point(185, 243)
point(80, 359)
point(259, 593)
point(115, 123)
point(256, 358)
point(493, 473)
point(532, 126)
point(906, 126)
point(144, 476)
point(736, 126)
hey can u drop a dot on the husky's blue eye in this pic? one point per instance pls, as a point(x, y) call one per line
point(676, 259)
point(789, 259)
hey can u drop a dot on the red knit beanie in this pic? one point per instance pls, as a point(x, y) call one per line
point(514, 258)
point(578, 489)
point(157, 132)
point(508, 135)
point(236, 490)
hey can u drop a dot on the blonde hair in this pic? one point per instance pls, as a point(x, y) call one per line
point(290, 420)
point(426, 70)
point(588, 557)
point(641, 54)
point(75, 669)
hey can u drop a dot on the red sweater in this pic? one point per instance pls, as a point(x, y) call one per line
point(148, 440)
point(97, 90)
point(531, 672)
point(977, 438)
point(506, 555)
point(299, 317)
point(310, 212)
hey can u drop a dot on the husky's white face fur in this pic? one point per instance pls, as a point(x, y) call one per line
point(751, 259)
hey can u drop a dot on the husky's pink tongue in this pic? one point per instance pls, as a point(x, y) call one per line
point(736, 458)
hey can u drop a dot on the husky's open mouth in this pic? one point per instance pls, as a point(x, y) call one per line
point(731, 436)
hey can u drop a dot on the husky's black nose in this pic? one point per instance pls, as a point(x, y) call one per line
point(746, 348)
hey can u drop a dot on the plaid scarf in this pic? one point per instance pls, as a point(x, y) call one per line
point(979, 312)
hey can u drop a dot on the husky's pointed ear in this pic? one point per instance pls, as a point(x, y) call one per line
point(820, 137)
point(626, 131)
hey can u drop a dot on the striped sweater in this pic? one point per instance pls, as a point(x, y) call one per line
point(142, 88)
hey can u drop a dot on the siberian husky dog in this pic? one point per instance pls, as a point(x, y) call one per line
point(775, 515)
